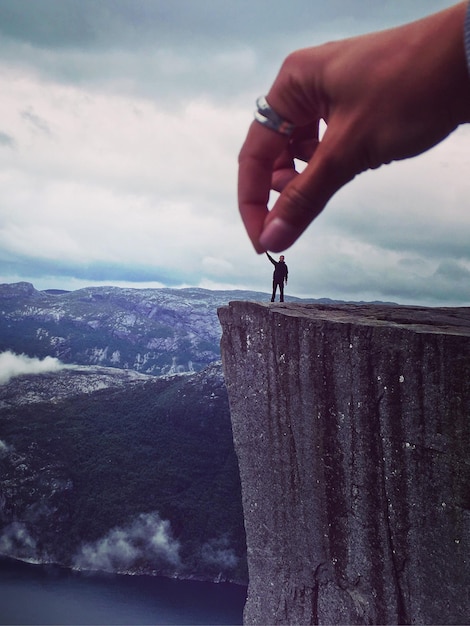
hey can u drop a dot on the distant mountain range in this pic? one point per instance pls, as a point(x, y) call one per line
point(154, 331)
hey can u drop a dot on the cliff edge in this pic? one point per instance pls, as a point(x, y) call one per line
point(352, 428)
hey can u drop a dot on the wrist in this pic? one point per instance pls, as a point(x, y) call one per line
point(434, 64)
point(462, 62)
point(439, 57)
point(449, 35)
point(467, 37)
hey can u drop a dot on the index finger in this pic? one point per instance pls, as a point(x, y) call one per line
point(256, 160)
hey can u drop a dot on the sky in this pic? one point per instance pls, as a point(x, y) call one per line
point(120, 127)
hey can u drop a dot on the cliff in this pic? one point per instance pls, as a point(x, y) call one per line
point(351, 425)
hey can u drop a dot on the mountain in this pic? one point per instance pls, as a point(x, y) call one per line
point(154, 331)
point(104, 469)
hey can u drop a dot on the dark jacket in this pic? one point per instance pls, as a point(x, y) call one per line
point(280, 269)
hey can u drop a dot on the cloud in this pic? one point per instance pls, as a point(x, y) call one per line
point(217, 553)
point(7, 140)
point(119, 136)
point(148, 539)
point(16, 541)
point(12, 365)
point(4, 449)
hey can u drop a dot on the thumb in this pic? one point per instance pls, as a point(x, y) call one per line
point(306, 195)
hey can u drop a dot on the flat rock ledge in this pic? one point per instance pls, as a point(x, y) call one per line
point(352, 428)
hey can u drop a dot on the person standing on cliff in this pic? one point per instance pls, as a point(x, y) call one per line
point(279, 276)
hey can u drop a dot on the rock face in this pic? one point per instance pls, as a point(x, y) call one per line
point(352, 428)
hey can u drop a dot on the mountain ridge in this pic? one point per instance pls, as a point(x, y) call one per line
point(154, 331)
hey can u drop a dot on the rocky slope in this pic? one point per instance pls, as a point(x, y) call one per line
point(67, 382)
point(352, 430)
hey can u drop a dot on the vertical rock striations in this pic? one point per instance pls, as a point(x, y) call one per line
point(352, 429)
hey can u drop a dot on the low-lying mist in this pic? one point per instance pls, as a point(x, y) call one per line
point(12, 365)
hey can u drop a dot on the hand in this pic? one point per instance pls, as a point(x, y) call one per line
point(384, 97)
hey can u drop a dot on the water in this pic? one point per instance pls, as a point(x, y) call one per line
point(32, 594)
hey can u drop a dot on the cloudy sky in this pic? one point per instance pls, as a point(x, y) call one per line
point(120, 126)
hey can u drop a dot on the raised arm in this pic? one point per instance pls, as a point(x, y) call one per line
point(271, 258)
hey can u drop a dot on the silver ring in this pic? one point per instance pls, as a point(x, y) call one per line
point(268, 117)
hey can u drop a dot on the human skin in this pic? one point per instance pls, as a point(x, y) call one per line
point(384, 96)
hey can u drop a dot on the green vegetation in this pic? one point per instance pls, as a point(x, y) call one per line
point(164, 446)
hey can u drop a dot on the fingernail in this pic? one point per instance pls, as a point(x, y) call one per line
point(278, 235)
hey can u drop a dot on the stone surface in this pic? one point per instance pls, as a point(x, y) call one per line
point(352, 428)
